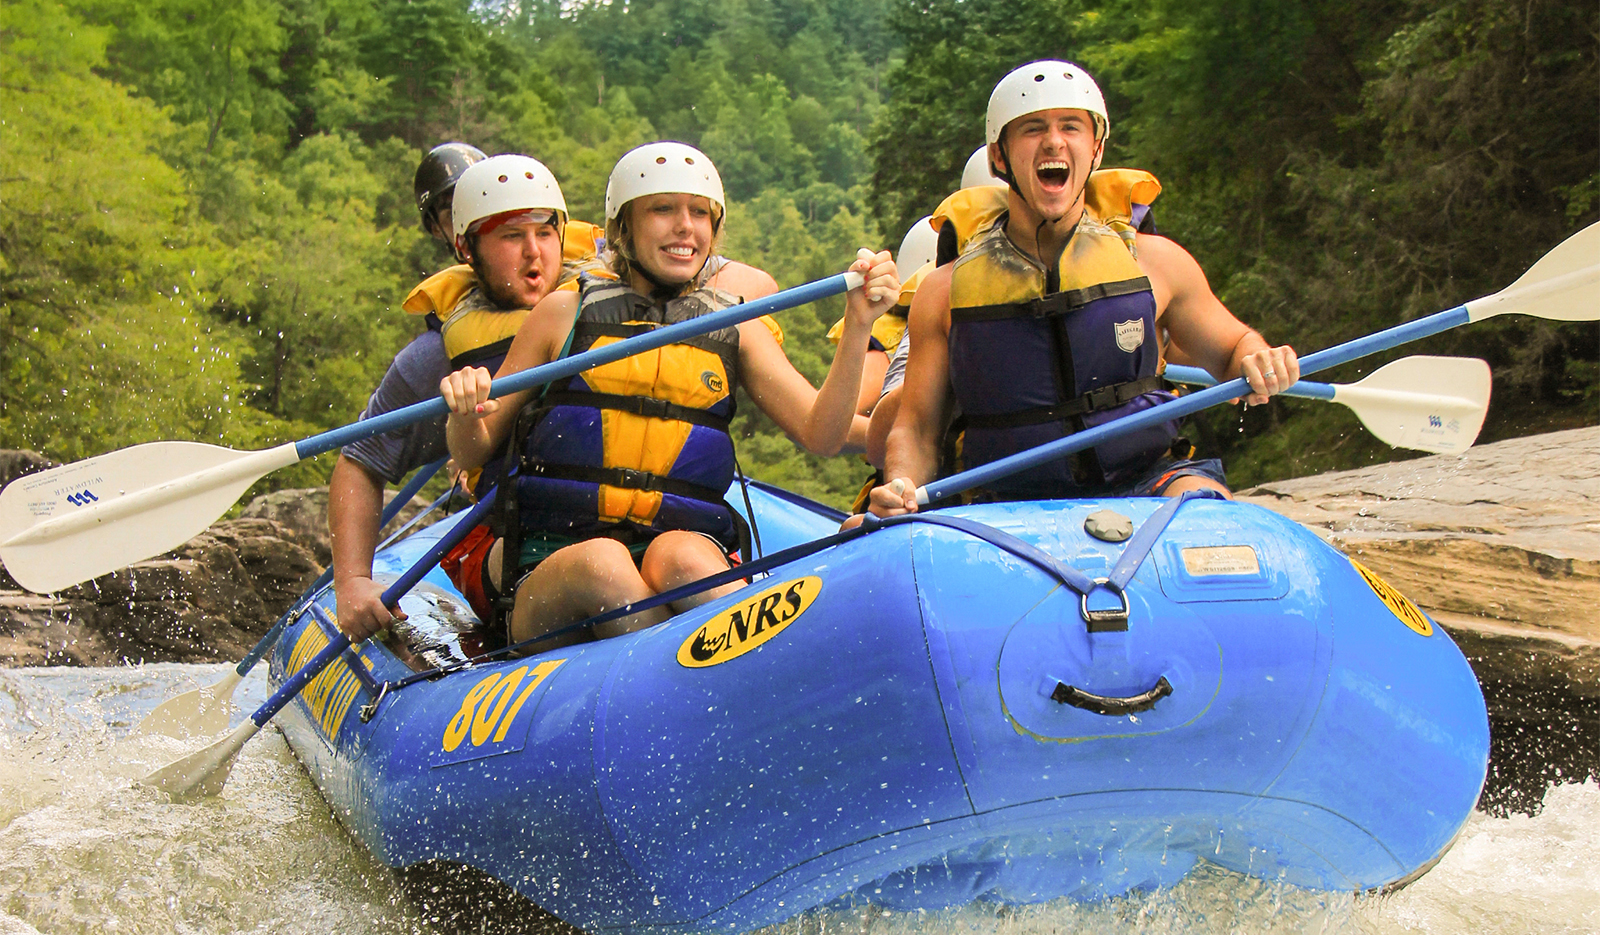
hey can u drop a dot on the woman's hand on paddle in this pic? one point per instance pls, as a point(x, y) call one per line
point(881, 290)
point(1269, 372)
point(466, 392)
point(894, 498)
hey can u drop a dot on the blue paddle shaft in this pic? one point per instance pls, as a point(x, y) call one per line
point(423, 475)
point(1192, 403)
point(391, 596)
point(572, 366)
point(1196, 376)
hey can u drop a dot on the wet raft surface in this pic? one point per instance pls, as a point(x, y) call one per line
point(1501, 544)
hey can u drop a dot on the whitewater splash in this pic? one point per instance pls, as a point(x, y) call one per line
point(83, 849)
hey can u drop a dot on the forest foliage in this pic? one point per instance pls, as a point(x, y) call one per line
point(206, 225)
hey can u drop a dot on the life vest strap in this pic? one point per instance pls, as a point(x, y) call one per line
point(1056, 303)
point(1105, 397)
point(647, 406)
point(495, 350)
point(624, 477)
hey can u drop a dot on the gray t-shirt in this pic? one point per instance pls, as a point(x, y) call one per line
point(413, 377)
point(896, 374)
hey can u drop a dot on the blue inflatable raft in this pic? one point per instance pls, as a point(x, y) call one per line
point(919, 717)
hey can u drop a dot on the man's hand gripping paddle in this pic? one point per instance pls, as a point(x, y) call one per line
point(204, 773)
point(205, 711)
point(69, 524)
point(1563, 286)
point(1432, 404)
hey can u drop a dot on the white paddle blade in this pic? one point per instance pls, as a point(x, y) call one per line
point(200, 712)
point(1563, 286)
point(75, 522)
point(1434, 404)
point(204, 773)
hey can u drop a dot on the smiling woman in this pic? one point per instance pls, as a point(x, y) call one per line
point(619, 490)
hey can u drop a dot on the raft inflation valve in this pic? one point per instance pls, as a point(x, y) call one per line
point(1108, 526)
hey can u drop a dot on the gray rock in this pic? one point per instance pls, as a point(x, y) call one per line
point(1501, 544)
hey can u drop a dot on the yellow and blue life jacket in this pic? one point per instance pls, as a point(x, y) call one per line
point(639, 446)
point(1037, 354)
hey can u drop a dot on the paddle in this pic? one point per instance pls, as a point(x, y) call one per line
point(1432, 404)
point(1562, 286)
point(203, 773)
point(206, 710)
point(69, 524)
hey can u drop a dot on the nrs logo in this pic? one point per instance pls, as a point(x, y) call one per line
point(749, 623)
point(81, 498)
point(1435, 422)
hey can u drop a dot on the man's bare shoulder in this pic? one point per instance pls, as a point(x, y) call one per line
point(1159, 256)
point(932, 301)
point(744, 280)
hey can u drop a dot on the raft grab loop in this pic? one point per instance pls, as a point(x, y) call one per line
point(1109, 706)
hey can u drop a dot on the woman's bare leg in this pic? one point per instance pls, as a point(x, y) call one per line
point(675, 559)
point(577, 582)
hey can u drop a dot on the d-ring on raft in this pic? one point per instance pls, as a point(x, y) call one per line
point(919, 715)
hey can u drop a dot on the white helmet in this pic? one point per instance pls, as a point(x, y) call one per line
point(1040, 86)
point(918, 248)
point(500, 184)
point(978, 173)
point(663, 168)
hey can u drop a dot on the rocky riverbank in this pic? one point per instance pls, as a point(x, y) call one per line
point(1501, 545)
point(209, 600)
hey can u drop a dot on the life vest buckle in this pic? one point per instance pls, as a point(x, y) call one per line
point(1103, 398)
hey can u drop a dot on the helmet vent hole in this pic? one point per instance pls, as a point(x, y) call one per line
point(1067, 75)
point(1038, 77)
point(502, 178)
point(661, 160)
point(689, 160)
point(527, 175)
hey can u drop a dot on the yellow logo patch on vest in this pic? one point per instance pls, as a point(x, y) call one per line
point(748, 623)
point(1398, 603)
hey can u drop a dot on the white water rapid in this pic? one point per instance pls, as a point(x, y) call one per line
point(85, 850)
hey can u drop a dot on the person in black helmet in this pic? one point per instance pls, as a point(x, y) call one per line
point(435, 184)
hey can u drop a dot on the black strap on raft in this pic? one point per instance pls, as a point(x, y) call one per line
point(1133, 555)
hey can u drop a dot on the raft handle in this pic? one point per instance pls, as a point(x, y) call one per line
point(1104, 621)
point(1111, 707)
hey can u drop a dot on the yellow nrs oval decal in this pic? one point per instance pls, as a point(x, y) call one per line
point(749, 623)
point(1401, 605)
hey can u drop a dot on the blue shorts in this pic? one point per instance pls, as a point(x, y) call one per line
point(1168, 469)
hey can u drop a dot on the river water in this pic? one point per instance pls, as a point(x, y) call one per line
point(83, 849)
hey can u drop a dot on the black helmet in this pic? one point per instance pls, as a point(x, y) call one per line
point(436, 176)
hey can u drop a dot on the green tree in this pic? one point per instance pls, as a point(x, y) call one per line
point(103, 264)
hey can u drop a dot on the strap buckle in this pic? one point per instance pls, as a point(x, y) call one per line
point(635, 479)
point(652, 408)
point(1105, 621)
